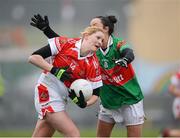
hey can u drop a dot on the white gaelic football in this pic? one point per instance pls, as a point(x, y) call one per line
point(83, 85)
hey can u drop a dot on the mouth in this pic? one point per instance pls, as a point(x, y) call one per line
point(97, 46)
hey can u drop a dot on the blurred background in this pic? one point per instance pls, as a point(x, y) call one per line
point(152, 27)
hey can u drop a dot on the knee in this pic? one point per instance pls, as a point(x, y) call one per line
point(73, 133)
point(76, 134)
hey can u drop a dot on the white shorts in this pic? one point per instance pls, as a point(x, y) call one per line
point(127, 114)
point(176, 108)
point(51, 95)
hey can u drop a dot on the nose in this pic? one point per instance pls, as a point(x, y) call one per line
point(100, 42)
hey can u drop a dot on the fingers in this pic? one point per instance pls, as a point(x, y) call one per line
point(66, 76)
point(72, 92)
point(81, 94)
point(68, 70)
point(33, 24)
point(46, 19)
point(122, 63)
point(34, 20)
point(38, 22)
point(37, 17)
point(40, 17)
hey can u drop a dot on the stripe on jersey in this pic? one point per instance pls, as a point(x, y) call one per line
point(54, 50)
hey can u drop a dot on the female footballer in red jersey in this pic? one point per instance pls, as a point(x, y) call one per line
point(121, 96)
point(70, 59)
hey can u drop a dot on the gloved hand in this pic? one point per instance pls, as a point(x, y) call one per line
point(61, 73)
point(123, 62)
point(39, 22)
point(80, 101)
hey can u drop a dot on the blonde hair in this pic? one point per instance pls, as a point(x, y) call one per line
point(91, 30)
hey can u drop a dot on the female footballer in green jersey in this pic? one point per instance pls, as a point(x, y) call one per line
point(121, 96)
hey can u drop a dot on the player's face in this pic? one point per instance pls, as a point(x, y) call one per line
point(95, 40)
point(96, 22)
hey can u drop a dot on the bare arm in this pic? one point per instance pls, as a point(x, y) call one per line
point(94, 97)
point(38, 58)
point(39, 61)
point(92, 100)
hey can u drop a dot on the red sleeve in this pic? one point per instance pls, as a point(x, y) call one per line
point(121, 43)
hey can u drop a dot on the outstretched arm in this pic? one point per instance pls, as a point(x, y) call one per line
point(127, 56)
point(43, 24)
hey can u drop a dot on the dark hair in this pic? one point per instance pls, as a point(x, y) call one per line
point(108, 21)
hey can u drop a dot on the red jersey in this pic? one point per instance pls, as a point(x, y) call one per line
point(66, 53)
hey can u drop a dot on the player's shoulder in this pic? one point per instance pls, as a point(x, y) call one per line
point(72, 40)
point(115, 38)
point(62, 40)
point(65, 39)
point(118, 41)
point(65, 42)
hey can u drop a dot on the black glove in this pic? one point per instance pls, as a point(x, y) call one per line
point(61, 73)
point(123, 62)
point(39, 22)
point(80, 101)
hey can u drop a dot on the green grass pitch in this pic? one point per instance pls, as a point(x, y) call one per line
point(117, 132)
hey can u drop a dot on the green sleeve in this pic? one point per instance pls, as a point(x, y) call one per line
point(120, 43)
point(124, 47)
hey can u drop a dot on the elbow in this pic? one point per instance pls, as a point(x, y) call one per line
point(128, 54)
point(95, 98)
point(130, 58)
point(32, 59)
point(131, 54)
point(133, 57)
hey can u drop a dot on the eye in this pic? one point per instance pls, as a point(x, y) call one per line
point(98, 37)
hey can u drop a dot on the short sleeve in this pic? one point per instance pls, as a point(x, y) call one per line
point(53, 46)
point(122, 44)
point(56, 44)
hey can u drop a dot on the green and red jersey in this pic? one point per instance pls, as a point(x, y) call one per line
point(120, 85)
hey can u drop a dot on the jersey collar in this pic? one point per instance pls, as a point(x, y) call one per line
point(110, 42)
point(78, 46)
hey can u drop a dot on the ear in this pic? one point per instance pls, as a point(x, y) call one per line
point(85, 36)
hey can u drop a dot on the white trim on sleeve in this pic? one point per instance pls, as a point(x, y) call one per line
point(53, 46)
